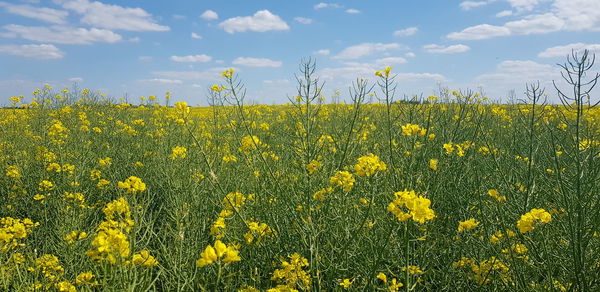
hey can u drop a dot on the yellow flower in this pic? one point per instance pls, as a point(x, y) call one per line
point(496, 195)
point(433, 164)
point(382, 277)
point(346, 283)
point(292, 272)
point(220, 250)
point(413, 130)
point(45, 186)
point(228, 73)
point(143, 258)
point(467, 225)
point(65, 286)
point(526, 223)
point(343, 179)
point(178, 152)
point(368, 165)
point(13, 172)
point(217, 88)
point(313, 166)
point(105, 161)
point(132, 185)
point(85, 278)
point(418, 207)
point(395, 285)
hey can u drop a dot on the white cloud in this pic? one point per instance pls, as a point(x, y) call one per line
point(323, 52)
point(162, 81)
point(276, 81)
point(564, 51)
point(365, 49)
point(504, 13)
point(192, 59)
point(209, 74)
point(406, 32)
point(256, 62)
point(108, 16)
point(480, 32)
point(42, 52)
point(410, 55)
point(209, 15)
point(39, 13)
point(327, 5)
point(519, 72)
point(61, 34)
point(145, 58)
point(562, 15)
point(468, 5)
point(578, 14)
point(303, 20)
point(261, 21)
point(364, 70)
point(352, 11)
point(524, 5)
point(453, 49)
point(390, 61)
point(536, 24)
point(75, 80)
point(196, 36)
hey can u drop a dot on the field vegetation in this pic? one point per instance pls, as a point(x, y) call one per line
point(449, 192)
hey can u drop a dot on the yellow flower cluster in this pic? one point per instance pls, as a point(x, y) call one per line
point(229, 158)
point(258, 231)
point(111, 243)
point(467, 225)
point(75, 235)
point(132, 185)
point(228, 73)
point(217, 87)
point(313, 166)
point(525, 224)
point(12, 171)
point(433, 164)
point(384, 73)
point(413, 130)
point(394, 284)
point(250, 143)
point(343, 179)
point(105, 162)
point(499, 235)
point(49, 266)
point(143, 258)
point(320, 194)
point(220, 251)
point(66, 168)
point(368, 165)
point(292, 273)
point(12, 230)
point(57, 132)
point(231, 204)
point(454, 148)
point(178, 152)
point(182, 107)
point(45, 186)
point(496, 195)
point(484, 272)
point(418, 207)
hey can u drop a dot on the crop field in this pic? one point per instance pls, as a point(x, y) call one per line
point(448, 192)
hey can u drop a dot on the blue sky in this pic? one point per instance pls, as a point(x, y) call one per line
point(139, 48)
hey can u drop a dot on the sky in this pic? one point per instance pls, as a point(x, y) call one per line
point(133, 48)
